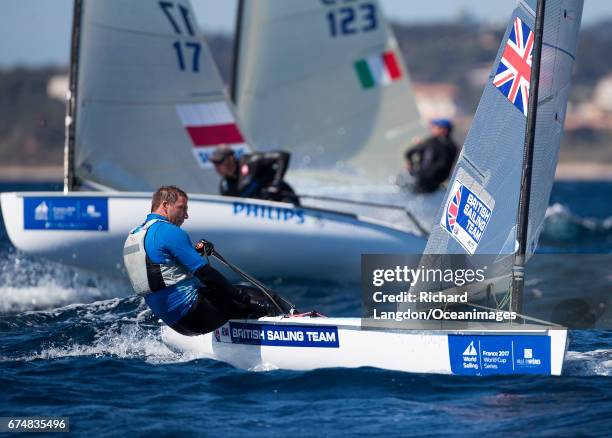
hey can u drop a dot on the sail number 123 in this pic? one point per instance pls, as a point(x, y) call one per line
point(350, 19)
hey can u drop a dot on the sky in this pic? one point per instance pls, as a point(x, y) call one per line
point(37, 32)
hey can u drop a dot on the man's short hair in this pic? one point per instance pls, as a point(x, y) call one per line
point(170, 194)
point(220, 154)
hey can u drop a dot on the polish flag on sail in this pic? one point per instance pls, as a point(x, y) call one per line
point(209, 126)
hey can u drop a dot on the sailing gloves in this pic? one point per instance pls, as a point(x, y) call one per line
point(204, 247)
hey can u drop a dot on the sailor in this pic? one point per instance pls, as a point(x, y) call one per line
point(257, 175)
point(178, 284)
point(429, 162)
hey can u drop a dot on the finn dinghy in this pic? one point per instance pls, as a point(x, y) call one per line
point(505, 173)
point(147, 108)
point(340, 99)
point(326, 80)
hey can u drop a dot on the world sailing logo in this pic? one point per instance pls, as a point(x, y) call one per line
point(470, 357)
point(41, 212)
point(470, 350)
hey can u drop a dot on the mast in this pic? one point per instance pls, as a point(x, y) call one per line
point(235, 59)
point(518, 270)
point(71, 100)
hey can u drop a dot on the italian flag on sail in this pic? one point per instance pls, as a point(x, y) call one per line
point(379, 69)
point(209, 126)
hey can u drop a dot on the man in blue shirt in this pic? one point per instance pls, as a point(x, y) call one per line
point(177, 283)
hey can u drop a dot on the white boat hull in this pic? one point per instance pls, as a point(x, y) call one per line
point(266, 239)
point(311, 343)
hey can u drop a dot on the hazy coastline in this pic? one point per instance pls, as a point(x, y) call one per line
point(578, 171)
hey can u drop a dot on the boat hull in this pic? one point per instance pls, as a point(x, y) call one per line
point(267, 239)
point(275, 343)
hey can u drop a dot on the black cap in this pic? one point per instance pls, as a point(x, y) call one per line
point(221, 154)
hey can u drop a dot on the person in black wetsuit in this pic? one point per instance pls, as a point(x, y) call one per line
point(257, 175)
point(431, 161)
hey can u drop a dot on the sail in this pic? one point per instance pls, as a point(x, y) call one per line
point(479, 215)
point(326, 81)
point(150, 104)
point(476, 226)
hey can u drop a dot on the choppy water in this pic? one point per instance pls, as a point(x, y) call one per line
point(80, 346)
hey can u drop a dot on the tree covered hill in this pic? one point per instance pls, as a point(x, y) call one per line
point(32, 124)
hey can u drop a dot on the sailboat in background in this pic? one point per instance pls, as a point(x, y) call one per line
point(147, 105)
point(495, 206)
point(326, 81)
point(147, 108)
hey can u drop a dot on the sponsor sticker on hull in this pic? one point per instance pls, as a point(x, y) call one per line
point(279, 336)
point(70, 213)
point(267, 212)
point(503, 354)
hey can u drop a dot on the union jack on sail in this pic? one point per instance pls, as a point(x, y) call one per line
point(452, 209)
point(514, 70)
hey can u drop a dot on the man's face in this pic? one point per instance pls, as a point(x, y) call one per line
point(438, 131)
point(177, 212)
point(226, 167)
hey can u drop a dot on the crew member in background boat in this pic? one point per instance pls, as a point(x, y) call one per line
point(178, 284)
point(430, 162)
point(257, 175)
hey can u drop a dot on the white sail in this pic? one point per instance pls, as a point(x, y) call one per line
point(150, 104)
point(488, 173)
point(325, 80)
point(480, 214)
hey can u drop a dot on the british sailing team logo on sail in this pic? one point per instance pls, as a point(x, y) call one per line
point(210, 125)
point(465, 216)
point(514, 69)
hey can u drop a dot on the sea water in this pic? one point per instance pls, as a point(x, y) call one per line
point(80, 346)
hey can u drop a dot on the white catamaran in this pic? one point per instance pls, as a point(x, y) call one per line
point(504, 174)
point(147, 108)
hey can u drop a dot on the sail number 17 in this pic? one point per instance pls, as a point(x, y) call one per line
point(178, 16)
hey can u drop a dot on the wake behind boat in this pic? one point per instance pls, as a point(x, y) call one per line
point(495, 206)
